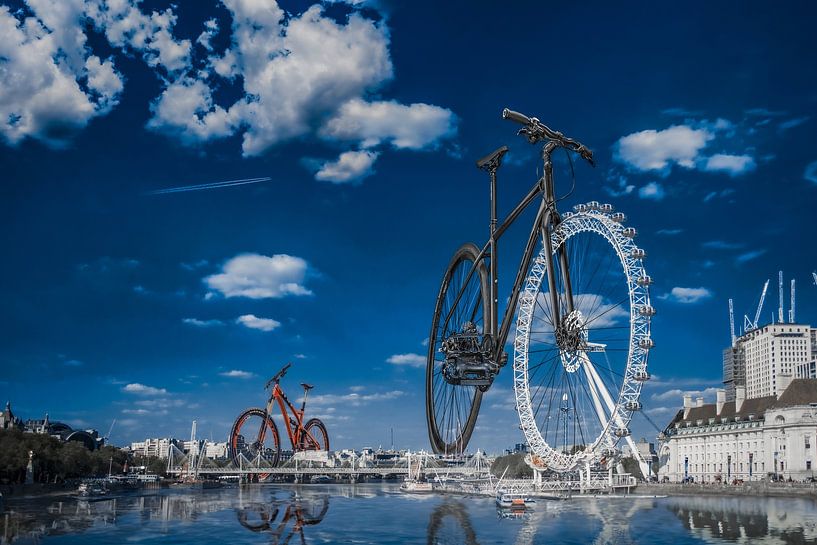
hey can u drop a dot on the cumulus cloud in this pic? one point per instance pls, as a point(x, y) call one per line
point(413, 127)
point(731, 164)
point(659, 150)
point(688, 295)
point(237, 373)
point(678, 394)
point(722, 245)
point(141, 389)
point(254, 322)
point(410, 360)
point(50, 86)
point(298, 75)
point(259, 277)
point(653, 191)
point(350, 166)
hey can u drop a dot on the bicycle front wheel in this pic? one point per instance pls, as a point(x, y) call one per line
point(315, 436)
point(452, 408)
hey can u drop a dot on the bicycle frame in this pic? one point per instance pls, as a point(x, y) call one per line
point(547, 219)
point(298, 433)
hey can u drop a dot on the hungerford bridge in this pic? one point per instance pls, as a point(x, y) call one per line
point(473, 476)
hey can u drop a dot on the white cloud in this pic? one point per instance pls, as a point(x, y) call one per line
point(810, 173)
point(732, 164)
point(141, 389)
point(237, 373)
point(688, 295)
point(254, 322)
point(678, 394)
point(669, 232)
point(50, 86)
point(652, 190)
point(350, 166)
point(750, 255)
point(411, 360)
point(414, 127)
point(186, 109)
point(659, 150)
point(722, 245)
point(355, 399)
point(202, 323)
point(258, 277)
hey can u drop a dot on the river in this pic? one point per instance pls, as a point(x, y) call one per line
point(375, 513)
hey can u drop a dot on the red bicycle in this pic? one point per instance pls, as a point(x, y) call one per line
point(255, 435)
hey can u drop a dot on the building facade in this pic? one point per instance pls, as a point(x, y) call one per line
point(746, 439)
point(763, 359)
point(158, 447)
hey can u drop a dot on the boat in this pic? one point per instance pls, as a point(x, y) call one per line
point(320, 479)
point(91, 489)
point(415, 486)
point(513, 500)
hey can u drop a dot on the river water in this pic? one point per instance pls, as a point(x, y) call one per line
point(374, 513)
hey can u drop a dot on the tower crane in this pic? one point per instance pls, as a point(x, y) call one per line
point(748, 325)
point(732, 322)
point(814, 275)
point(791, 308)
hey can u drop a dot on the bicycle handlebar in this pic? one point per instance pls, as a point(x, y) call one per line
point(278, 376)
point(535, 131)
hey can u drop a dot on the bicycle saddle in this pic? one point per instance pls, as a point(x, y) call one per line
point(306, 386)
point(493, 159)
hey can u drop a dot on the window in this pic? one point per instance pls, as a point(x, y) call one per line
point(808, 441)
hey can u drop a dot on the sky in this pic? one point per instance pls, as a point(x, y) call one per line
point(349, 131)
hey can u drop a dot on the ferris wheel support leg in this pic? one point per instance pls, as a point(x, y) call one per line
point(596, 379)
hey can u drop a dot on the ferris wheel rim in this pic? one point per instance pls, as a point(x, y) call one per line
point(631, 259)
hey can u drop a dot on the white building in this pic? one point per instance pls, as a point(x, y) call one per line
point(769, 353)
point(746, 439)
point(152, 447)
point(216, 451)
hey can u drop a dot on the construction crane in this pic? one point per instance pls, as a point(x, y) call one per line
point(749, 325)
point(732, 322)
point(780, 318)
point(791, 308)
point(814, 275)
point(108, 435)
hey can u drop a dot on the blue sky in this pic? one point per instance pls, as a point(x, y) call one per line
point(157, 309)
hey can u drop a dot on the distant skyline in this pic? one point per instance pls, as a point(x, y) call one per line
point(193, 194)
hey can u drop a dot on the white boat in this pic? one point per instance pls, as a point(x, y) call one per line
point(412, 485)
point(513, 500)
point(91, 489)
point(320, 479)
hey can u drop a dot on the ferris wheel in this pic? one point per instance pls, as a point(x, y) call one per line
point(575, 399)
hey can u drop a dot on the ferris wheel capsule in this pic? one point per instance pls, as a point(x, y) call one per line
point(633, 406)
point(593, 205)
point(638, 253)
point(647, 310)
point(646, 343)
point(645, 280)
point(580, 208)
point(641, 376)
point(618, 217)
point(629, 232)
point(609, 452)
point(622, 432)
point(607, 208)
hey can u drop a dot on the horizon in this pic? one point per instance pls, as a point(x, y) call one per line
point(195, 194)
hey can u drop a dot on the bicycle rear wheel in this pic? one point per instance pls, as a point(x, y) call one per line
point(452, 409)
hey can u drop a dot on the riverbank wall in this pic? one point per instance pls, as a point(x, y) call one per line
point(755, 489)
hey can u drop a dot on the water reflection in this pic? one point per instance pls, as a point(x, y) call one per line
point(295, 513)
point(301, 514)
point(748, 520)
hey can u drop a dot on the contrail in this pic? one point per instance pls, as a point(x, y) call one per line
point(214, 185)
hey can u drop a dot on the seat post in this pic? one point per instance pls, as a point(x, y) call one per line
point(491, 164)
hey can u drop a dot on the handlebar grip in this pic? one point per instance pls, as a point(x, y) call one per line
point(515, 116)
